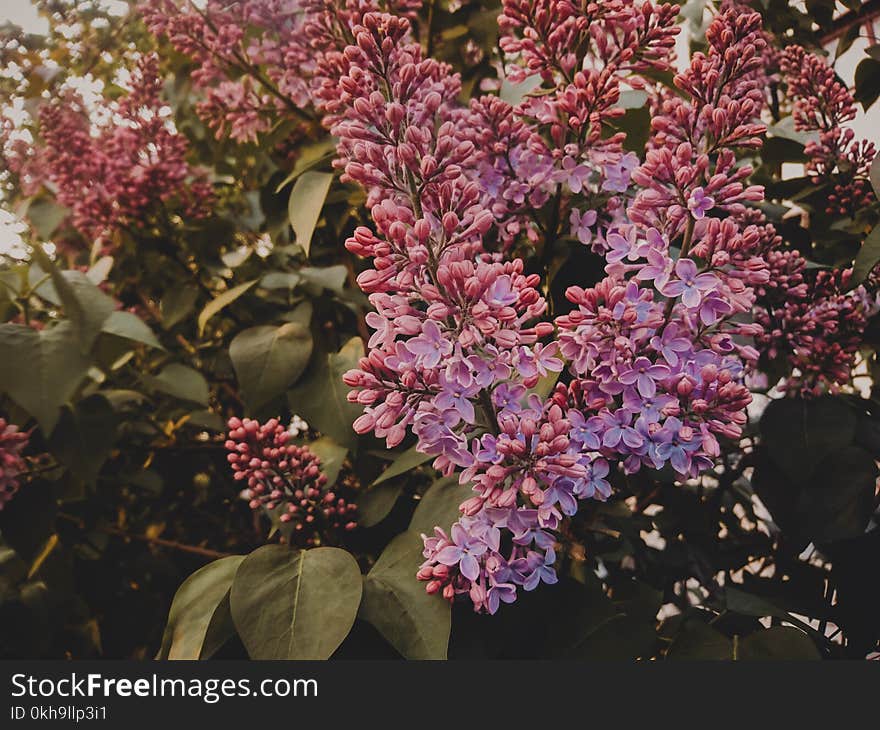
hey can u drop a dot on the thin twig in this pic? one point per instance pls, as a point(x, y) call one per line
point(171, 544)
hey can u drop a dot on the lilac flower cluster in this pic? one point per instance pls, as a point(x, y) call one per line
point(12, 442)
point(255, 59)
point(823, 104)
point(286, 480)
point(813, 323)
point(655, 374)
point(651, 360)
point(116, 173)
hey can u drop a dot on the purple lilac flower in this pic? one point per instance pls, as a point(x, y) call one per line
point(689, 285)
point(644, 375)
point(584, 431)
point(533, 569)
point(699, 203)
point(574, 175)
point(674, 448)
point(625, 245)
point(595, 485)
point(463, 552)
point(617, 175)
point(671, 343)
point(618, 429)
point(430, 346)
point(658, 269)
point(581, 224)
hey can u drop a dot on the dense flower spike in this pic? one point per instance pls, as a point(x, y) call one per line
point(691, 166)
point(815, 324)
point(256, 58)
point(825, 105)
point(115, 171)
point(654, 381)
point(286, 480)
point(12, 442)
point(215, 34)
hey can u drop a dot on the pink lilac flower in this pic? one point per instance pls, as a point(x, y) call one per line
point(699, 203)
point(617, 175)
point(12, 464)
point(689, 285)
point(581, 225)
point(286, 480)
point(825, 105)
point(134, 166)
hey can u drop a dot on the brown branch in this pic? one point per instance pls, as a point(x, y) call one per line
point(170, 544)
point(869, 12)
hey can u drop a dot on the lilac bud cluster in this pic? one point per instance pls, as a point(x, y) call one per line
point(286, 480)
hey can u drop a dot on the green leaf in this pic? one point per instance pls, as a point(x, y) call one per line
point(311, 156)
point(100, 270)
point(181, 382)
point(177, 304)
point(748, 604)
point(619, 638)
point(280, 280)
point(295, 604)
point(85, 305)
point(584, 609)
point(206, 419)
point(409, 459)
point(799, 433)
point(331, 454)
point(782, 149)
point(220, 629)
point(698, 641)
point(306, 201)
point(45, 216)
point(131, 327)
point(439, 506)
point(193, 610)
point(838, 501)
point(786, 129)
point(868, 255)
point(396, 604)
point(867, 82)
point(41, 370)
point(777, 643)
point(328, 277)
point(320, 396)
point(268, 359)
point(84, 437)
point(636, 123)
point(375, 504)
point(218, 303)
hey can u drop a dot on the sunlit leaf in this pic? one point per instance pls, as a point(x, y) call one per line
point(181, 382)
point(223, 300)
point(193, 610)
point(409, 459)
point(306, 201)
point(41, 370)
